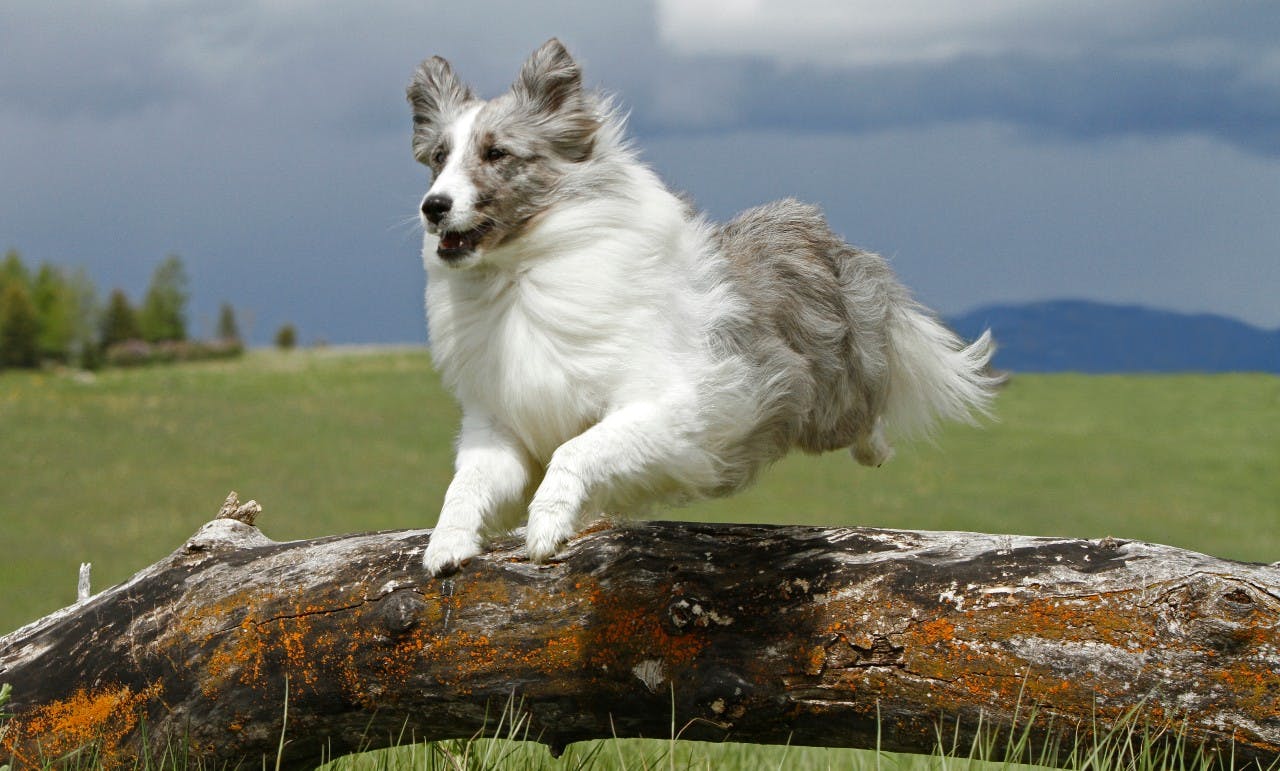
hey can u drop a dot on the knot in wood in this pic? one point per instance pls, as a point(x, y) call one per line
point(680, 613)
point(399, 611)
point(839, 652)
point(1223, 615)
point(724, 694)
point(1236, 619)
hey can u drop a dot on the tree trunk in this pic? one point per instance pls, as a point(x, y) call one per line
point(847, 637)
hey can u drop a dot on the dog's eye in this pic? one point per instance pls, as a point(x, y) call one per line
point(495, 154)
point(438, 156)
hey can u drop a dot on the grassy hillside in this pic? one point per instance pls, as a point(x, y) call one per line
point(121, 468)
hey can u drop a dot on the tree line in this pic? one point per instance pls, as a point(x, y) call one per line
point(54, 316)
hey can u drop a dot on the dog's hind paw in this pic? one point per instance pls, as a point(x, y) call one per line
point(872, 448)
point(448, 550)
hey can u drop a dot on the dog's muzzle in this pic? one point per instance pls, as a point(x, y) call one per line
point(454, 245)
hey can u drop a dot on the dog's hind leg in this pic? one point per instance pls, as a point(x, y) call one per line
point(491, 479)
point(641, 448)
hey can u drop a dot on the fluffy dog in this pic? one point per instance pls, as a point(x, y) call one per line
point(610, 348)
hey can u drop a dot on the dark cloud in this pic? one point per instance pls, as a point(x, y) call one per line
point(1084, 97)
point(81, 60)
point(1147, 67)
point(1189, 69)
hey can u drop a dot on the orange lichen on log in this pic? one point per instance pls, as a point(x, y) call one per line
point(1101, 618)
point(297, 644)
point(100, 719)
point(1255, 685)
point(957, 652)
point(628, 633)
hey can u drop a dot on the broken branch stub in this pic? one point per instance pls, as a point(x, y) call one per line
point(836, 637)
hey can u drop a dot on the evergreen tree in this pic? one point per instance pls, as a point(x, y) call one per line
point(164, 308)
point(227, 328)
point(55, 311)
point(12, 269)
point(19, 327)
point(119, 322)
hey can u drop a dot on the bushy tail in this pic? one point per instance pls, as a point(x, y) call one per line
point(933, 375)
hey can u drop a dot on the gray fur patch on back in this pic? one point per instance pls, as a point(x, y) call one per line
point(820, 331)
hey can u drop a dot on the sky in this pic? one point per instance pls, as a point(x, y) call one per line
point(995, 151)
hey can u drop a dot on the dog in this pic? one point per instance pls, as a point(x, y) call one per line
point(611, 349)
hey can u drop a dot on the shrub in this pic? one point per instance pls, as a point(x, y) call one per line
point(137, 353)
point(286, 337)
point(128, 353)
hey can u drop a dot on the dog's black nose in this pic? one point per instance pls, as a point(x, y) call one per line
point(435, 206)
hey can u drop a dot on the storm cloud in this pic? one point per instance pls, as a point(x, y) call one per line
point(1127, 152)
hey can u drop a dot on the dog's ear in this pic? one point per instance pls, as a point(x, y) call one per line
point(434, 92)
point(549, 78)
point(550, 90)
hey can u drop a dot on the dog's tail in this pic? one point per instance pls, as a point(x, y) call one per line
point(933, 375)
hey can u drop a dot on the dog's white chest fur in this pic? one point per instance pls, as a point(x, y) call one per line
point(496, 340)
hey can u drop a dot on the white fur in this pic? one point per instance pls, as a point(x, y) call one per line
point(453, 182)
point(579, 350)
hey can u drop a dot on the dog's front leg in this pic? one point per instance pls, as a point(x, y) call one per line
point(489, 482)
point(636, 447)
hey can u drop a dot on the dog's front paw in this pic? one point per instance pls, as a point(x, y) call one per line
point(549, 528)
point(448, 549)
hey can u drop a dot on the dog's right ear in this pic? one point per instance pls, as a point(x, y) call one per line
point(550, 90)
point(434, 92)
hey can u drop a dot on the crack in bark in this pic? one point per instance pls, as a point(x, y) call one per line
point(309, 613)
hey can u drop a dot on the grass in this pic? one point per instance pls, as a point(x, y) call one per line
point(1132, 745)
point(121, 468)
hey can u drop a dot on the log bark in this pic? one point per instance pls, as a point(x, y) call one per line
point(835, 637)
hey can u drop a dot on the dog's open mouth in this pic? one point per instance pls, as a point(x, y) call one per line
point(456, 244)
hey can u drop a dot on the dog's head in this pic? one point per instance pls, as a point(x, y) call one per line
point(496, 164)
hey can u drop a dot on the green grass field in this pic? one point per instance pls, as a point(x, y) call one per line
point(121, 468)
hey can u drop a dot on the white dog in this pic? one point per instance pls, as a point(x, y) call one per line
point(610, 348)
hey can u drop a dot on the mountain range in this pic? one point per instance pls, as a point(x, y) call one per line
point(1083, 336)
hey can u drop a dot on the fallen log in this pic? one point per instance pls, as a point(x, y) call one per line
point(852, 637)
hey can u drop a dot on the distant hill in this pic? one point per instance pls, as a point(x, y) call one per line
point(1080, 336)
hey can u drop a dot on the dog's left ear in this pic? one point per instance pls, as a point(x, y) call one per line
point(550, 78)
point(550, 88)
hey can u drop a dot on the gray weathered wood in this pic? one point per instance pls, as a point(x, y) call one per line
point(755, 633)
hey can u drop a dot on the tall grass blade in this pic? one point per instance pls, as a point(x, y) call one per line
point(284, 723)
